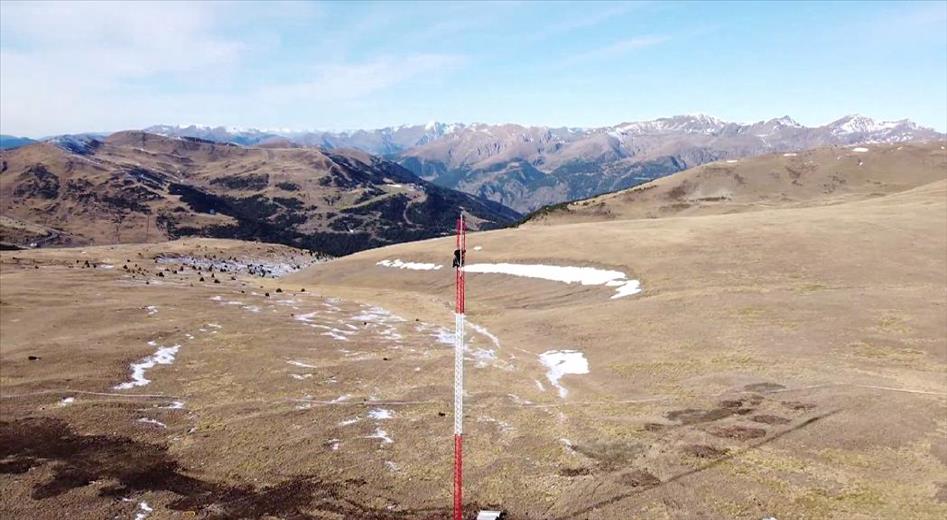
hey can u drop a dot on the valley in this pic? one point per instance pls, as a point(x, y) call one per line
point(768, 359)
point(138, 187)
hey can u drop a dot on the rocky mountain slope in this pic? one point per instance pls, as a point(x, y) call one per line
point(135, 186)
point(528, 167)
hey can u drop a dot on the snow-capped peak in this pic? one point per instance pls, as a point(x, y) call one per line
point(691, 123)
point(859, 124)
point(703, 119)
point(786, 121)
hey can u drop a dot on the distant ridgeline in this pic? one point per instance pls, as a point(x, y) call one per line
point(528, 167)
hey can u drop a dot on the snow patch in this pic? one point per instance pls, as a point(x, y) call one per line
point(300, 364)
point(483, 331)
point(380, 414)
point(381, 434)
point(157, 423)
point(67, 401)
point(306, 317)
point(860, 149)
point(562, 362)
point(566, 274)
point(414, 266)
point(484, 357)
point(378, 315)
point(163, 356)
point(334, 334)
point(152, 310)
point(143, 511)
point(443, 336)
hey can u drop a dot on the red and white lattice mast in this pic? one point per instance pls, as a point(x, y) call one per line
point(459, 255)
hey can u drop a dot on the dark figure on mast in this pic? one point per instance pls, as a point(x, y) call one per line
point(459, 255)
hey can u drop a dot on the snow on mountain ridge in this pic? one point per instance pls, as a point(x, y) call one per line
point(859, 124)
point(432, 130)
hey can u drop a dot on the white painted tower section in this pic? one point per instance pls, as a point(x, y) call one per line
point(458, 373)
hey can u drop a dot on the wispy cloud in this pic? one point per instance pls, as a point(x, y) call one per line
point(613, 50)
point(597, 14)
point(347, 81)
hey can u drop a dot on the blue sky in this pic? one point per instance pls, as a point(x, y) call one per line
point(101, 67)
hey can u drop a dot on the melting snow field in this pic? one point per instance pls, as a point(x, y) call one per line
point(163, 356)
point(414, 266)
point(567, 274)
point(562, 362)
point(860, 149)
point(380, 414)
point(157, 423)
point(382, 435)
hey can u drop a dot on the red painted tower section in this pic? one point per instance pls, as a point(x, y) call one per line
point(459, 257)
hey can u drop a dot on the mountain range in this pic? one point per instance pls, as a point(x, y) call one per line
point(346, 191)
point(527, 167)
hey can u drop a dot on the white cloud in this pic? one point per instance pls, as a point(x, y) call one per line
point(114, 41)
point(94, 66)
point(57, 58)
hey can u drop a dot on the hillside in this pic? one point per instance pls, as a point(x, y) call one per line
point(786, 362)
point(138, 187)
point(755, 375)
point(823, 176)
